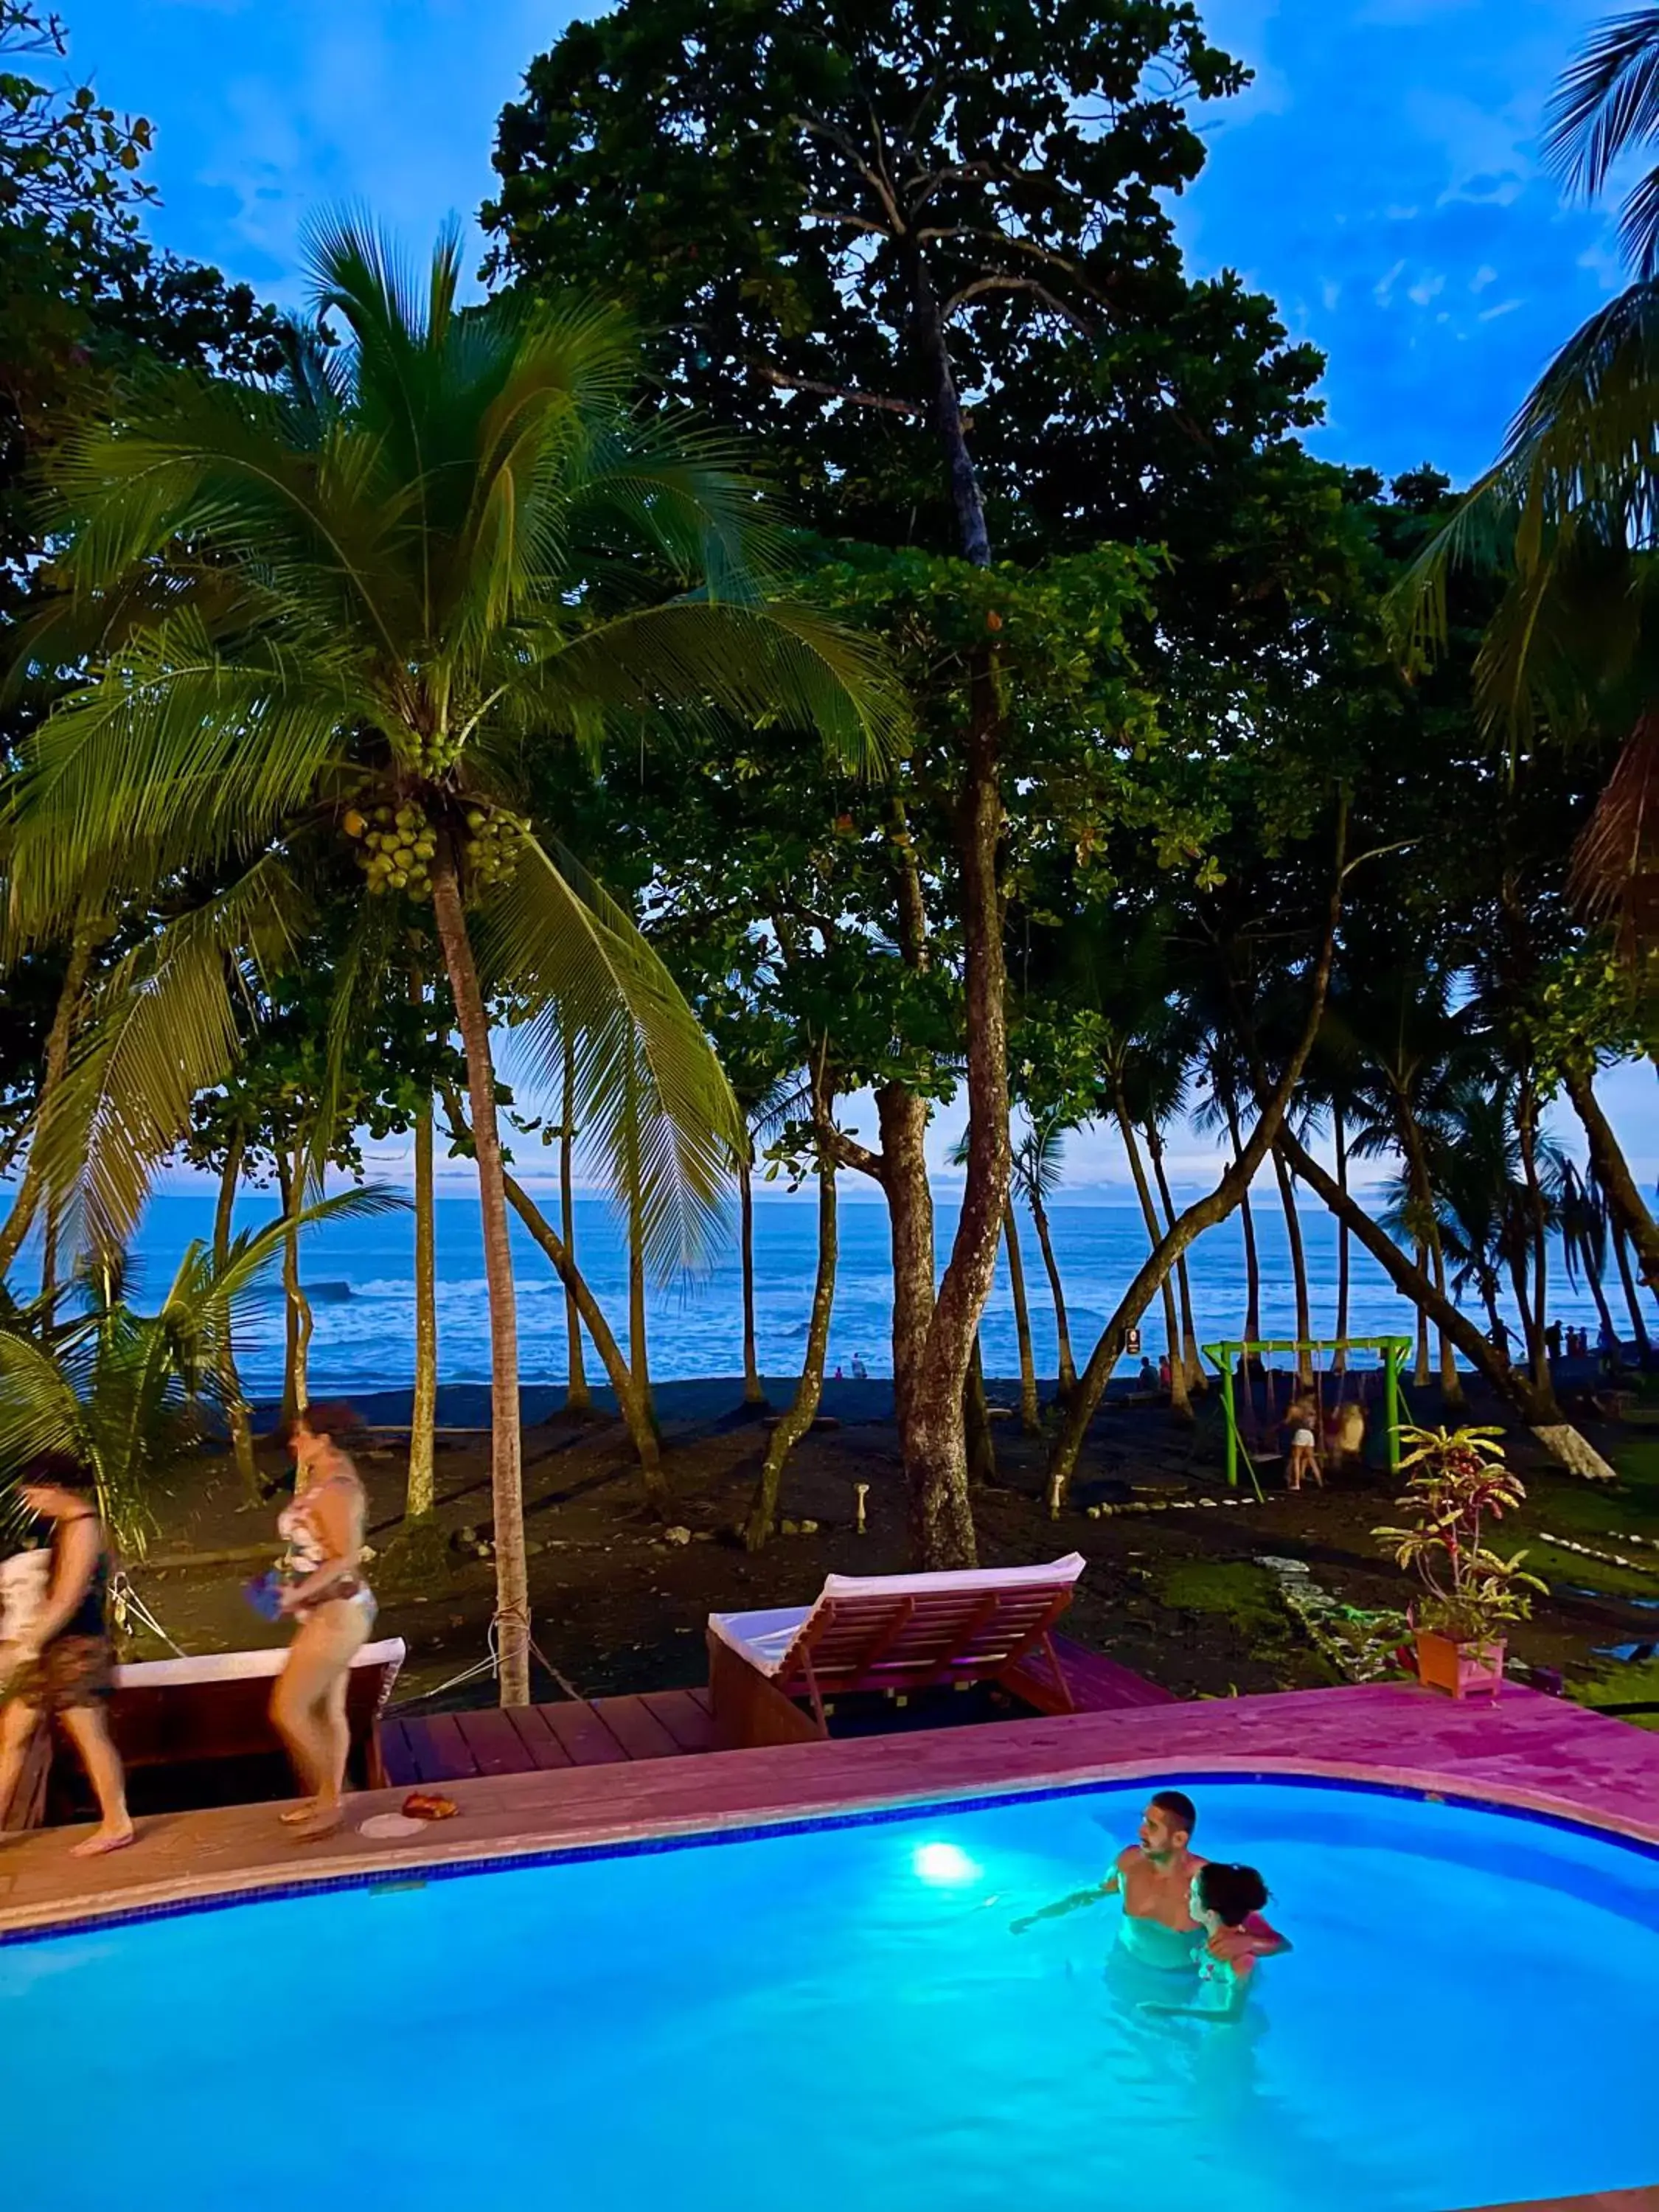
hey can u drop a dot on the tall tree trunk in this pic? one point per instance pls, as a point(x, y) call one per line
point(1537, 1410)
point(1180, 1403)
point(1625, 1200)
point(236, 1409)
point(754, 1391)
point(59, 1037)
point(1298, 1263)
point(506, 1459)
point(1252, 1257)
point(641, 1429)
point(803, 1407)
point(1030, 1413)
point(1422, 1371)
point(578, 1397)
point(639, 1353)
point(1639, 1325)
point(1497, 1325)
point(1422, 1190)
point(1215, 1206)
point(1525, 1123)
point(932, 1425)
point(1598, 1291)
point(1344, 1251)
point(976, 1425)
point(1189, 1351)
point(421, 1498)
point(296, 1306)
point(1067, 1363)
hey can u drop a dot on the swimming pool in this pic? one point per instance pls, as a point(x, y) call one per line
point(839, 2017)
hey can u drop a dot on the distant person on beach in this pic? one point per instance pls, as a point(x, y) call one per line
point(334, 1607)
point(62, 1668)
point(1154, 1876)
point(861, 1372)
point(1552, 1339)
point(1304, 1461)
point(1165, 1378)
point(1147, 1378)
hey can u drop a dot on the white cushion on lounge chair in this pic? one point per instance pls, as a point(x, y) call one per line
point(239, 1666)
point(766, 1638)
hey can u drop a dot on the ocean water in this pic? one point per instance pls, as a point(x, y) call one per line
point(360, 1275)
point(841, 2019)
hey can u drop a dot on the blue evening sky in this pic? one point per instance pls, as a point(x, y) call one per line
point(1380, 180)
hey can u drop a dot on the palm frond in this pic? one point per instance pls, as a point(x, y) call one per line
point(164, 1028)
point(1608, 102)
point(593, 978)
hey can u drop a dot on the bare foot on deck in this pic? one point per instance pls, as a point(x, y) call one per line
point(320, 1820)
point(297, 1816)
point(102, 1841)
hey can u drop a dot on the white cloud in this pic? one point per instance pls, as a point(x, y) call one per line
point(1503, 307)
point(1485, 275)
point(1386, 285)
point(1426, 288)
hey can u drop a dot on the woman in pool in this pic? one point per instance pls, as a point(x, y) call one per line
point(1222, 1900)
point(322, 1591)
point(61, 1670)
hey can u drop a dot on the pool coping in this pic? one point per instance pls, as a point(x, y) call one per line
point(1498, 1757)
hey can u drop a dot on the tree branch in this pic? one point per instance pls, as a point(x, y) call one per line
point(846, 1151)
point(785, 382)
point(1018, 284)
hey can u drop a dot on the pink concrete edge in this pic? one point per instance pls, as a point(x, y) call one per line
point(187, 1893)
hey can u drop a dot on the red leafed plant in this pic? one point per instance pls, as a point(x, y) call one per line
point(1458, 1482)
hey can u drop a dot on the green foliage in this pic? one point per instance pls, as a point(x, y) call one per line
point(428, 558)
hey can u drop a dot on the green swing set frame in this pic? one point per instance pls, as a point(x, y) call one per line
point(1394, 1351)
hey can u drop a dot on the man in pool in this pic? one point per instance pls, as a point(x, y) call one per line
point(1154, 1878)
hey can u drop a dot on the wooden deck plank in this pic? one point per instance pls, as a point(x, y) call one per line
point(584, 1735)
point(543, 1749)
point(690, 1724)
point(635, 1727)
point(494, 1742)
point(701, 1695)
point(439, 1751)
point(401, 1768)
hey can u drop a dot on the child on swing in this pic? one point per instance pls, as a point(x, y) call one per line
point(1300, 1419)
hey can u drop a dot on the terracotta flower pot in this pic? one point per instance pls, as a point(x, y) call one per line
point(1444, 1662)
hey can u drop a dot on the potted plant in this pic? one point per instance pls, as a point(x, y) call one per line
point(1458, 1483)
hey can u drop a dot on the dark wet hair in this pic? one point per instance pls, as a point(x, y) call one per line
point(1232, 1893)
point(1182, 1813)
point(323, 1417)
point(57, 1470)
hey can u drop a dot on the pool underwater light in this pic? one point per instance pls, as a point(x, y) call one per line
point(943, 1863)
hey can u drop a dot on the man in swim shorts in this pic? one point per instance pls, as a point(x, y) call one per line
point(1154, 1877)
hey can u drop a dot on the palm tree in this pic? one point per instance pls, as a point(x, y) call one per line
point(1567, 513)
point(332, 620)
point(1038, 1164)
point(1582, 1219)
point(1406, 1048)
point(132, 1395)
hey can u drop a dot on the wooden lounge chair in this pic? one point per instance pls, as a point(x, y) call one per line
point(199, 1712)
point(902, 1633)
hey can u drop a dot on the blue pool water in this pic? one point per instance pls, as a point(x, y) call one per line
point(839, 2018)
